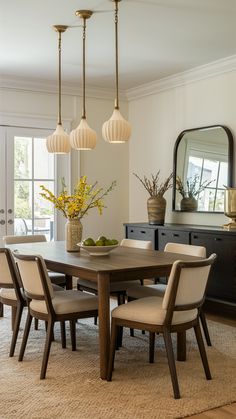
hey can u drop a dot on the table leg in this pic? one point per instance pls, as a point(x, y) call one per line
point(1, 310)
point(68, 282)
point(181, 346)
point(104, 321)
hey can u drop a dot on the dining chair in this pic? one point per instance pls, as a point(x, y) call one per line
point(56, 277)
point(117, 288)
point(10, 292)
point(176, 312)
point(45, 304)
point(159, 289)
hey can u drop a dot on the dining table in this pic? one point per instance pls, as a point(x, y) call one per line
point(122, 264)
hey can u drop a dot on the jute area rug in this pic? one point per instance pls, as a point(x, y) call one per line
point(73, 389)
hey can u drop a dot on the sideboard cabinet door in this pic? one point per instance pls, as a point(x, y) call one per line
point(222, 281)
point(172, 236)
point(142, 233)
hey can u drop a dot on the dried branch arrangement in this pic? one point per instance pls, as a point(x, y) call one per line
point(192, 187)
point(152, 185)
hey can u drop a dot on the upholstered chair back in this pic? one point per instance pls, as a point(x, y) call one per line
point(186, 249)
point(5, 273)
point(139, 244)
point(34, 273)
point(24, 239)
point(187, 283)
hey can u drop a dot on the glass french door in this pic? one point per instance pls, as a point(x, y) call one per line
point(25, 164)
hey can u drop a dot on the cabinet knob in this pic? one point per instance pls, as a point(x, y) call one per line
point(175, 235)
point(143, 231)
point(2, 222)
point(2, 211)
point(217, 239)
point(10, 211)
point(163, 234)
point(10, 222)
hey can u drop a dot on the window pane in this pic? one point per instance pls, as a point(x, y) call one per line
point(206, 200)
point(223, 175)
point(210, 171)
point(22, 158)
point(43, 161)
point(194, 167)
point(23, 207)
point(219, 205)
point(43, 211)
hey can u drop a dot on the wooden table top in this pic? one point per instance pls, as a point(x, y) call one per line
point(120, 259)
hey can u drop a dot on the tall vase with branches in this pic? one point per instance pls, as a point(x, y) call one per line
point(156, 203)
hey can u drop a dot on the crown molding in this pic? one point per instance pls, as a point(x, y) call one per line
point(32, 121)
point(50, 87)
point(212, 69)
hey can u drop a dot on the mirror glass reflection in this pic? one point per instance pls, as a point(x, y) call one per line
point(202, 166)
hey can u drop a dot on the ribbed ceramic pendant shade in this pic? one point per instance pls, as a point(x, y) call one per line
point(58, 142)
point(116, 129)
point(83, 137)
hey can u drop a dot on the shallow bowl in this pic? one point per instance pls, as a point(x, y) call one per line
point(98, 250)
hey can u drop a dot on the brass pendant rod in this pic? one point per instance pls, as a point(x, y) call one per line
point(117, 58)
point(59, 78)
point(84, 39)
point(59, 29)
point(84, 14)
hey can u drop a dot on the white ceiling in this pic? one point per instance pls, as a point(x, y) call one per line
point(158, 38)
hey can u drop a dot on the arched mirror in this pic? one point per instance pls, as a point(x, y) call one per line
point(203, 164)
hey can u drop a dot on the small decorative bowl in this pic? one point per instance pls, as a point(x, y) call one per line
point(98, 250)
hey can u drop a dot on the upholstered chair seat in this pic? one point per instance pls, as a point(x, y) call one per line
point(8, 294)
point(67, 302)
point(150, 310)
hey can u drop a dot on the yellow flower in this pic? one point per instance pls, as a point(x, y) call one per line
point(78, 204)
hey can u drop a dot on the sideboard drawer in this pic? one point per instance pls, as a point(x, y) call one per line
point(142, 233)
point(172, 236)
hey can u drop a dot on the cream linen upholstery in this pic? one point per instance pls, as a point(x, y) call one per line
point(8, 293)
point(31, 278)
point(67, 302)
point(5, 273)
point(150, 310)
point(191, 287)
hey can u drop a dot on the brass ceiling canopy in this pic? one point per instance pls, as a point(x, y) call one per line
point(84, 14)
point(60, 28)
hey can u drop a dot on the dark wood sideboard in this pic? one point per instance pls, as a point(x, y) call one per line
point(221, 290)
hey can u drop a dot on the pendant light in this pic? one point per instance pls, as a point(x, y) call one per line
point(83, 137)
point(59, 141)
point(116, 129)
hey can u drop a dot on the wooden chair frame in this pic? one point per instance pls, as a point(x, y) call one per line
point(16, 305)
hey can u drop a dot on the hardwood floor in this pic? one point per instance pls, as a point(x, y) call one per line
point(228, 411)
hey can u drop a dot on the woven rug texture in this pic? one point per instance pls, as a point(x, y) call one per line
point(73, 389)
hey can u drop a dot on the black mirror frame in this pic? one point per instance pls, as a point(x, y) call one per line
point(230, 162)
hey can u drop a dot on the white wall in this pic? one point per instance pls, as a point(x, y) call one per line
point(104, 164)
point(157, 120)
